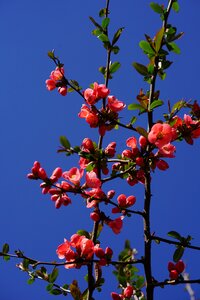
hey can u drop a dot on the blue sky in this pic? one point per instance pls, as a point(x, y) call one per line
point(32, 119)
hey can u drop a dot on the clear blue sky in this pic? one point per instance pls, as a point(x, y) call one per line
point(32, 119)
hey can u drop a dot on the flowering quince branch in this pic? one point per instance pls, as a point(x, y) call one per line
point(135, 164)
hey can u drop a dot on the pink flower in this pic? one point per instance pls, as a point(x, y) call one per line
point(110, 149)
point(62, 249)
point(162, 165)
point(92, 180)
point(114, 104)
point(160, 134)
point(74, 175)
point(116, 296)
point(116, 225)
point(142, 141)
point(128, 291)
point(62, 90)
point(50, 84)
point(87, 144)
point(57, 74)
point(167, 150)
point(92, 95)
point(90, 116)
point(131, 142)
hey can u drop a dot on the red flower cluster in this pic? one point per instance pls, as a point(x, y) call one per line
point(128, 292)
point(175, 269)
point(105, 117)
point(57, 81)
point(124, 202)
point(84, 251)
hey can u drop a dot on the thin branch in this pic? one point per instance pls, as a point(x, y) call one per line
point(175, 282)
point(160, 239)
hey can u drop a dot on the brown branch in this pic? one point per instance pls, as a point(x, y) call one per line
point(160, 239)
point(175, 282)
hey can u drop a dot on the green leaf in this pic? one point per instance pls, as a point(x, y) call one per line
point(49, 287)
point(156, 103)
point(84, 233)
point(178, 105)
point(102, 70)
point(158, 39)
point(56, 292)
point(142, 131)
point(114, 67)
point(156, 7)
point(174, 48)
point(178, 253)
point(135, 106)
point(146, 47)
point(70, 90)
point(175, 235)
point(102, 12)
point(117, 35)
point(31, 280)
point(140, 68)
point(51, 54)
point(140, 282)
point(96, 31)
point(105, 23)
point(90, 167)
point(6, 257)
point(64, 142)
point(103, 37)
point(115, 49)
point(53, 276)
point(5, 248)
point(133, 120)
point(175, 6)
point(95, 23)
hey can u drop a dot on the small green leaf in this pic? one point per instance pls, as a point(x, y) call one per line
point(64, 142)
point(156, 7)
point(178, 253)
point(51, 54)
point(53, 276)
point(6, 257)
point(102, 70)
point(146, 47)
point(174, 48)
point(140, 68)
point(178, 105)
point(103, 37)
point(114, 67)
point(140, 282)
point(175, 6)
point(49, 287)
point(105, 23)
point(117, 35)
point(102, 12)
point(156, 103)
point(133, 120)
point(142, 131)
point(135, 106)
point(115, 49)
point(90, 167)
point(158, 39)
point(5, 248)
point(84, 233)
point(96, 31)
point(95, 23)
point(31, 280)
point(175, 235)
point(56, 292)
